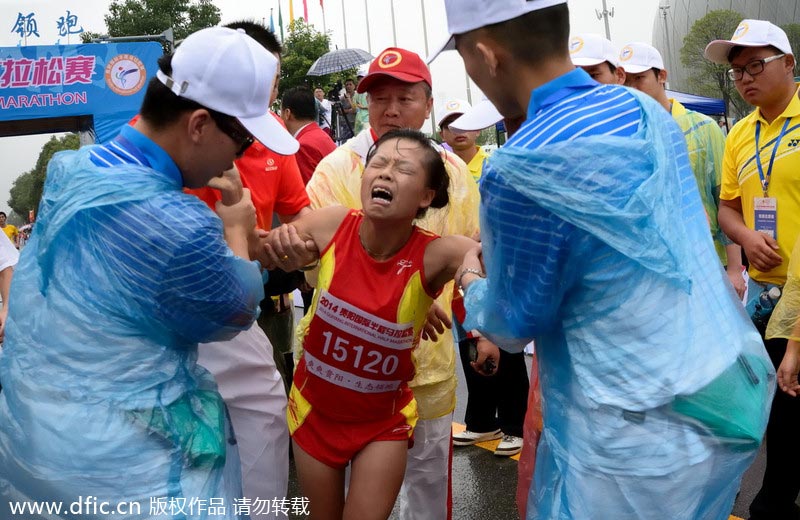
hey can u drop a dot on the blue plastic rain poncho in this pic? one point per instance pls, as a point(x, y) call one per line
point(655, 386)
point(706, 144)
point(121, 279)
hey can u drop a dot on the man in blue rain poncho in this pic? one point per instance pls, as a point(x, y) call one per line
point(654, 384)
point(122, 278)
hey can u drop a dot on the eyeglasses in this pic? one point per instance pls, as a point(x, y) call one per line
point(753, 68)
point(232, 128)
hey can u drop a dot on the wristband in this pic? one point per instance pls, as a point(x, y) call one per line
point(469, 270)
point(309, 267)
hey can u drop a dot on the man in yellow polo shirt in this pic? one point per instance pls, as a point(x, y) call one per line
point(462, 142)
point(9, 229)
point(761, 211)
point(644, 71)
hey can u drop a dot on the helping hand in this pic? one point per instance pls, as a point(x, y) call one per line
point(436, 322)
point(285, 250)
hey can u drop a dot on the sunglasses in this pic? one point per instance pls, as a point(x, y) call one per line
point(233, 129)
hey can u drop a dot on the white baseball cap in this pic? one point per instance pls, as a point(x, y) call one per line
point(227, 71)
point(592, 49)
point(638, 57)
point(749, 33)
point(482, 115)
point(467, 15)
point(453, 107)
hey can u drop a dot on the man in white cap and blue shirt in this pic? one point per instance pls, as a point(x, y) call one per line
point(595, 243)
point(761, 211)
point(591, 52)
point(102, 396)
point(598, 57)
point(704, 138)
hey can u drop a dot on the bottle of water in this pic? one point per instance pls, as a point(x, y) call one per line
point(764, 306)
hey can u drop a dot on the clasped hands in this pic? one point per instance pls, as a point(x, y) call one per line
point(281, 248)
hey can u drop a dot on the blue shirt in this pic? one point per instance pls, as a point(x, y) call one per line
point(564, 109)
point(133, 147)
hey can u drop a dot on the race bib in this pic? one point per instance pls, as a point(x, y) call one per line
point(358, 350)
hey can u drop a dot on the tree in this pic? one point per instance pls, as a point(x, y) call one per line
point(26, 192)
point(487, 136)
point(792, 30)
point(302, 47)
point(707, 78)
point(151, 17)
point(21, 195)
point(88, 36)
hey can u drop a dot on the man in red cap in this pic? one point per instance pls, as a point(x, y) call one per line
point(400, 96)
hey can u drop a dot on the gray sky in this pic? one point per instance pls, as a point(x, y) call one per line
point(632, 21)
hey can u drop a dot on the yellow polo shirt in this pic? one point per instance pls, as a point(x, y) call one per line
point(475, 166)
point(11, 232)
point(740, 177)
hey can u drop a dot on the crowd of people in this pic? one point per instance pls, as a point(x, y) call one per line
point(150, 357)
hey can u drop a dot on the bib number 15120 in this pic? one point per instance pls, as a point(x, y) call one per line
point(370, 361)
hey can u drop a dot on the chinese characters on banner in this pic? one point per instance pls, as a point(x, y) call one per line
point(53, 71)
point(27, 26)
point(105, 81)
point(68, 25)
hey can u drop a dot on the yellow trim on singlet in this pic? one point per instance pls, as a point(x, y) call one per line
point(409, 411)
point(297, 410)
point(412, 306)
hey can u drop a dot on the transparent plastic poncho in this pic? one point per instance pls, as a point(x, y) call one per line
point(706, 145)
point(122, 277)
point(785, 319)
point(655, 385)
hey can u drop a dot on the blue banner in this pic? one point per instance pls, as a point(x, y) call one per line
point(104, 80)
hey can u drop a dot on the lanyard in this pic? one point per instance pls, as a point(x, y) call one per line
point(765, 179)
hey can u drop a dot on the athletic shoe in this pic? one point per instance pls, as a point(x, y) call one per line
point(510, 445)
point(468, 438)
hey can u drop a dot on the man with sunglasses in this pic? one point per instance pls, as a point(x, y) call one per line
point(102, 393)
point(760, 210)
point(252, 367)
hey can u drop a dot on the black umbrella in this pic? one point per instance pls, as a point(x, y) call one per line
point(338, 60)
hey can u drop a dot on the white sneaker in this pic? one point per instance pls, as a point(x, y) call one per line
point(510, 445)
point(468, 438)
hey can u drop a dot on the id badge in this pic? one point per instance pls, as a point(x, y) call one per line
point(766, 213)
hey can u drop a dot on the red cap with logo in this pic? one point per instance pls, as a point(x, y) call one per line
point(397, 63)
